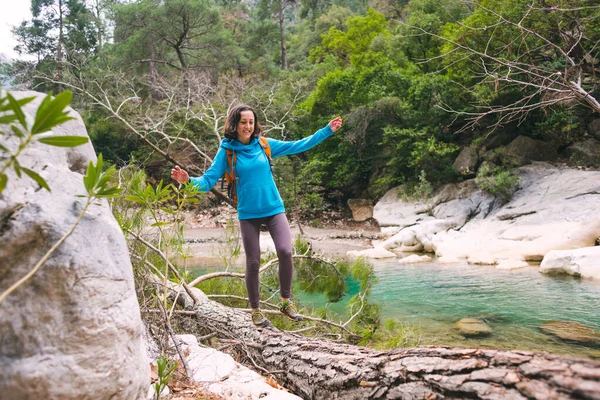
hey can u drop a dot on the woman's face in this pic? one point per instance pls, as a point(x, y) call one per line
point(245, 127)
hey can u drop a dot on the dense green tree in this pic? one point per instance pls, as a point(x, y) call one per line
point(58, 31)
point(308, 33)
point(353, 42)
point(181, 34)
point(430, 16)
point(277, 8)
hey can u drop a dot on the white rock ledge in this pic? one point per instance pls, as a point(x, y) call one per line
point(584, 262)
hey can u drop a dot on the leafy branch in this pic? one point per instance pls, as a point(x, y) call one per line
point(50, 114)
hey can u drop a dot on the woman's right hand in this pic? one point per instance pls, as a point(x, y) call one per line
point(180, 175)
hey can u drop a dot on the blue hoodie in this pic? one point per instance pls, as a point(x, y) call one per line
point(257, 194)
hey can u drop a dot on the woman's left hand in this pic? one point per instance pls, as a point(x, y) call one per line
point(335, 123)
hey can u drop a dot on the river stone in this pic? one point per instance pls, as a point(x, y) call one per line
point(578, 262)
point(414, 259)
point(585, 153)
point(362, 209)
point(376, 252)
point(572, 331)
point(471, 327)
point(524, 149)
point(73, 330)
point(466, 162)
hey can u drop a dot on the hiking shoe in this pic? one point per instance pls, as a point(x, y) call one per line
point(289, 310)
point(259, 319)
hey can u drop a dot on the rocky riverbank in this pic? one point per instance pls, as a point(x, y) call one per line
point(555, 209)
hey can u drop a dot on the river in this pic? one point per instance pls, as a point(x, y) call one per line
point(433, 297)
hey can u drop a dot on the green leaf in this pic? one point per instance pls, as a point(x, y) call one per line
point(50, 113)
point(17, 110)
point(17, 166)
point(3, 181)
point(135, 199)
point(7, 119)
point(26, 100)
point(18, 133)
point(64, 141)
point(3, 148)
point(36, 177)
point(160, 223)
point(110, 192)
point(88, 181)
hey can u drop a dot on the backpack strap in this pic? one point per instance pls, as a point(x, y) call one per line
point(264, 143)
point(230, 176)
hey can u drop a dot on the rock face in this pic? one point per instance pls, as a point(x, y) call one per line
point(72, 331)
point(572, 332)
point(362, 209)
point(466, 162)
point(524, 150)
point(582, 262)
point(556, 208)
point(594, 128)
point(585, 153)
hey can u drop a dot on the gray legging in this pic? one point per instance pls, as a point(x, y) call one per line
point(279, 228)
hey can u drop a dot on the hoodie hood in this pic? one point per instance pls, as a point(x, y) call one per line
point(236, 145)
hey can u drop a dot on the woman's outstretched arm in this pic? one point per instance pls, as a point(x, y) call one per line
point(282, 148)
point(205, 182)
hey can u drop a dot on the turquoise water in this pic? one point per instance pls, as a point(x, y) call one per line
point(514, 303)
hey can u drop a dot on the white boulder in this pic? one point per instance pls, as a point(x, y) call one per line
point(584, 262)
point(73, 330)
point(376, 252)
point(414, 259)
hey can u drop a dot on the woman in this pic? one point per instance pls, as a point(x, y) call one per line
point(259, 201)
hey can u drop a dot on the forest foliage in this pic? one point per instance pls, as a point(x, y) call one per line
point(414, 80)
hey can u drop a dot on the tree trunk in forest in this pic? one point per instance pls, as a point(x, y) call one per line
point(59, 54)
point(284, 64)
point(99, 27)
point(316, 368)
point(156, 96)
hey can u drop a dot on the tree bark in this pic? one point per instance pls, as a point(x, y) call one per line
point(320, 369)
point(59, 52)
point(284, 64)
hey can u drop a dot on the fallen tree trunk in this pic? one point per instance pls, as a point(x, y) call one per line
point(315, 368)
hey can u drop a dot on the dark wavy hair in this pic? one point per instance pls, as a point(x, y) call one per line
point(233, 119)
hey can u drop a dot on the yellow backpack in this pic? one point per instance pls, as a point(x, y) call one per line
point(231, 177)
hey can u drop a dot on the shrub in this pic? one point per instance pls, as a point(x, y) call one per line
point(498, 182)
